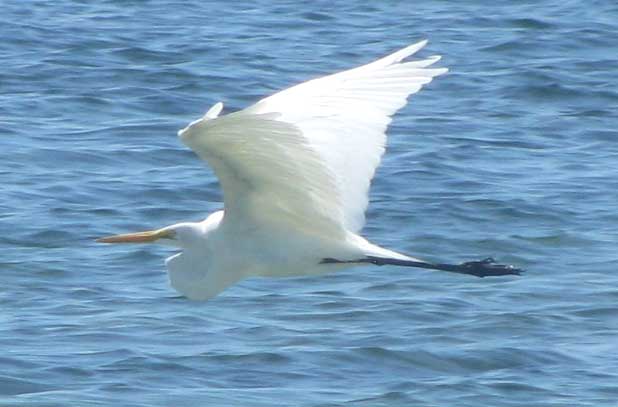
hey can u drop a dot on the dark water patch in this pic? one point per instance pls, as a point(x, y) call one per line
point(251, 358)
point(70, 371)
point(17, 363)
point(142, 55)
point(14, 386)
point(531, 23)
point(317, 16)
point(597, 312)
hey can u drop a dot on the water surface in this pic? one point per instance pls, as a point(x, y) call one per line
point(513, 154)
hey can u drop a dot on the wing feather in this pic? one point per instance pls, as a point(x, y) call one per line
point(268, 172)
point(305, 156)
point(344, 117)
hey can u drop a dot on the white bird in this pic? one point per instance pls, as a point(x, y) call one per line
point(295, 170)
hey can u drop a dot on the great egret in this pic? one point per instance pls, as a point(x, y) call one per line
point(295, 170)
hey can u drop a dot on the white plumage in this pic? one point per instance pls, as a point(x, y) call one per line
point(295, 169)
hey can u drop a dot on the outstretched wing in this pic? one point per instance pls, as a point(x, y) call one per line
point(307, 154)
point(268, 171)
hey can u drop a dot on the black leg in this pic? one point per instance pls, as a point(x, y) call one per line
point(482, 268)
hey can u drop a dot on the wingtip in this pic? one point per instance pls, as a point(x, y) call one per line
point(413, 48)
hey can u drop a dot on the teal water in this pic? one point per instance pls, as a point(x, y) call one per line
point(513, 154)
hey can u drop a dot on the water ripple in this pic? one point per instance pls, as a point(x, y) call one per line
point(512, 155)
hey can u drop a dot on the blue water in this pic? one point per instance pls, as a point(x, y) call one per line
point(513, 154)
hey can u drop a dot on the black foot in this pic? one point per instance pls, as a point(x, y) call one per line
point(487, 268)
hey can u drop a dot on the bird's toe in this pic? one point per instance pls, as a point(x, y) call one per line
point(488, 267)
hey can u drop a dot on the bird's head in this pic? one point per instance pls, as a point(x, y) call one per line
point(181, 235)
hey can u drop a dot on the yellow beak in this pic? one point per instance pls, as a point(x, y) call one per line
point(140, 237)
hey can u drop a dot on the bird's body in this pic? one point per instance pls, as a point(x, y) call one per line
point(219, 252)
point(295, 169)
